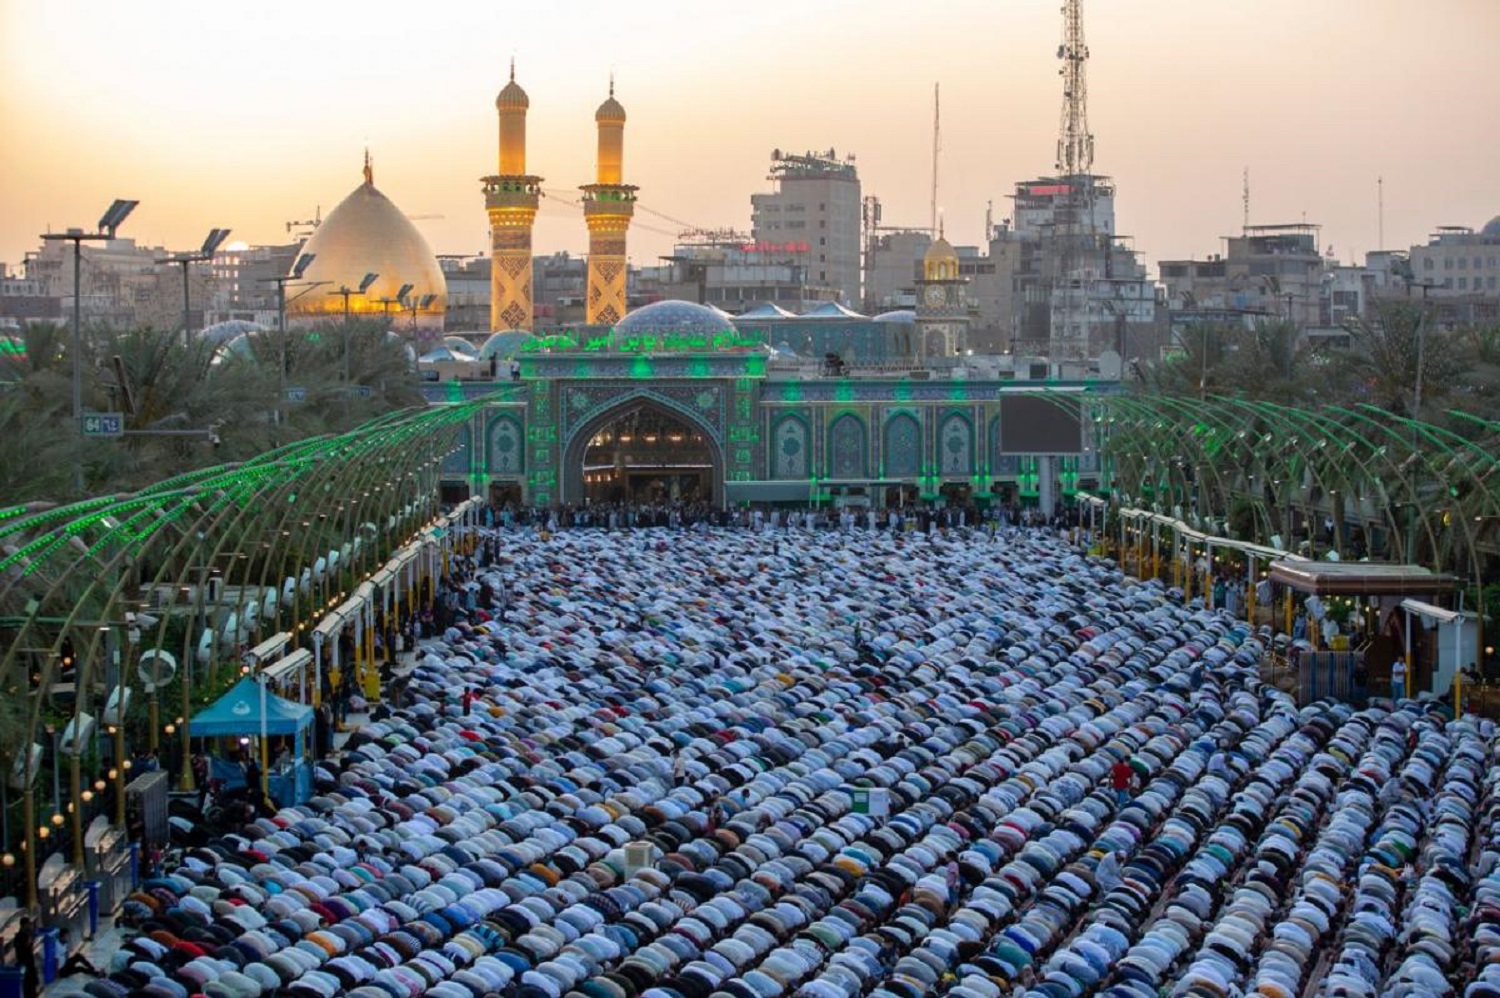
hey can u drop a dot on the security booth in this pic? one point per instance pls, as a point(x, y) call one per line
point(1363, 600)
point(251, 711)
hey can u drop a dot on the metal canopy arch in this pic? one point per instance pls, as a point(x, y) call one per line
point(1358, 462)
point(72, 572)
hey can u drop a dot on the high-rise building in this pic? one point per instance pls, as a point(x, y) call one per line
point(510, 198)
point(608, 205)
point(816, 202)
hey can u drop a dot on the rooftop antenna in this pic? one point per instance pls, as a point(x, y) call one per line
point(936, 145)
point(1380, 212)
point(1075, 146)
point(1245, 200)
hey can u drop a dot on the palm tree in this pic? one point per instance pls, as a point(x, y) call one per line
point(177, 388)
point(1387, 355)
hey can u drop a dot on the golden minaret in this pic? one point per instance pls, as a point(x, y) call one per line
point(608, 205)
point(510, 197)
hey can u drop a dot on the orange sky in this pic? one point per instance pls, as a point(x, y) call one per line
point(247, 115)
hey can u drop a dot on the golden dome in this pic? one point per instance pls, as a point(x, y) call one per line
point(512, 97)
point(367, 234)
point(940, 263)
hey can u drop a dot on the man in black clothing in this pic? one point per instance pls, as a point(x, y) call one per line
point(26, 959)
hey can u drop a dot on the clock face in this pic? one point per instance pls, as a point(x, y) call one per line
point(934, 295)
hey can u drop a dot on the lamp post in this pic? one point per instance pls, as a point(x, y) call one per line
point(1416, 416)
point(400, 299)
point(346, 292)
point(113, 218)
point(298, 269)
point(211, 246)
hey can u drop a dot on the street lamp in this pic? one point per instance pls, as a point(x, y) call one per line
point(112, 220)
point(414, 305)
point(400, 299)
point(298, 269)
point(1416, 412)
point(346, 292)
point(211, 246)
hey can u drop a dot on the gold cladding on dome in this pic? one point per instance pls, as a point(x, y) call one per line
point(367, 234)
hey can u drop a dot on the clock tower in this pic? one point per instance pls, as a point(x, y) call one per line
point(942, 314)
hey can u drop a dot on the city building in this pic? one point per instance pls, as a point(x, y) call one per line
point(730, 271)
point(24, 299)
point(816, 204)
point(1073, 280)
point(1460, 269)
point(893, 264)
point(1269, 270)
point(367, 234)
point(121, 284)
point(244, 283)
point(469, 288)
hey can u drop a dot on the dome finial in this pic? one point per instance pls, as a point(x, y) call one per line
point(369, 169)
point(611, 82)
point(512, 69)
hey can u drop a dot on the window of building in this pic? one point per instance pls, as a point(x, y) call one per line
point(1463, 284)
point(1478, 263)
point(1427, 263)
point(1447, 263)
point(822, 240)
point(1463, 263)
point(1448, 282)
point(1491, 282)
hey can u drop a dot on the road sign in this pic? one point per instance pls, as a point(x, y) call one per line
point(296, 394)
point(360, 391)
point(103, 424)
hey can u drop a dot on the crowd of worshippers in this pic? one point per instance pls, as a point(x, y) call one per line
point(637, 778)
point(923, 517)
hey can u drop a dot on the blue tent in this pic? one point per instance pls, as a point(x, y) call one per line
point(238, 713)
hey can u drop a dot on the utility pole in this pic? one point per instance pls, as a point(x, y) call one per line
point(111, 221)
point(210, 246)
point(936, 146)
point(347, 292)
point(298, 269)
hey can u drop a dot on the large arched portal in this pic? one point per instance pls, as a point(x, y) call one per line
point(642, 451)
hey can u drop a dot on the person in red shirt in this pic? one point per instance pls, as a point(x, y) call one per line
point(1122, 778)
point(468, 700)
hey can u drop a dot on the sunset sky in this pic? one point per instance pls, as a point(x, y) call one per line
point(248, 115)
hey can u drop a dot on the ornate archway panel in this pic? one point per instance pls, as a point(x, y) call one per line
point(955, 446)
point(848, 457)
point(902, 446)
point(605, 404)
point(791, 448)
